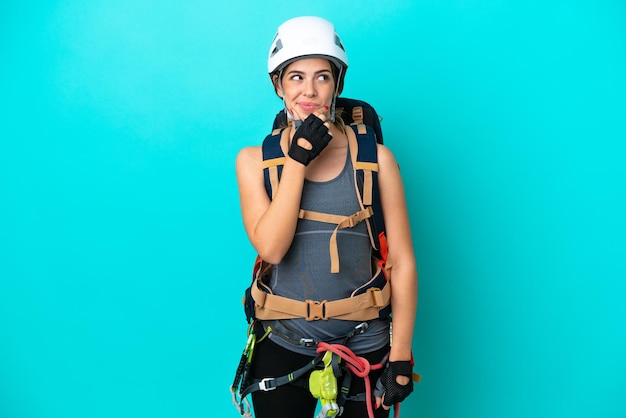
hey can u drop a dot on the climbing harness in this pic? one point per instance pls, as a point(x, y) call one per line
point(333, 360)
point(281, 330)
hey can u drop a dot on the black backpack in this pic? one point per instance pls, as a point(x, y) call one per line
point(365, 122)
point(352, 111)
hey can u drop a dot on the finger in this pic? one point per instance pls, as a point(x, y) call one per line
point(295, 113)
point(380, 401)
point(321, 123)
point(322, 113)
point(321, 127)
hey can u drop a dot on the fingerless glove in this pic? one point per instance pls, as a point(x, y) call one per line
point(313, 130)
point(395, 392)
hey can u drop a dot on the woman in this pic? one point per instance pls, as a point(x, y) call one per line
point(307, 65)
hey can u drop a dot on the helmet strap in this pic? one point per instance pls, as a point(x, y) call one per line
point(332, 105)
point(298, 122)
point(290, 119)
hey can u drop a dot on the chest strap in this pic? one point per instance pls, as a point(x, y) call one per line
point(341, 222)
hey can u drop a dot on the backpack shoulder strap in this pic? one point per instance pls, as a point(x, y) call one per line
point(273, 161)
point(365, 162)
point(358, 111)
point(364, 154)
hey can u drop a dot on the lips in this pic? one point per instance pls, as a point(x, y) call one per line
point(308, 106)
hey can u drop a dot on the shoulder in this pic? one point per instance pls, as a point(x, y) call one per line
point(249, 157)
point(386, 159)
point(389, 177)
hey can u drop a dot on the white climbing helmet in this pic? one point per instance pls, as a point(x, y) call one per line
point(306, 36)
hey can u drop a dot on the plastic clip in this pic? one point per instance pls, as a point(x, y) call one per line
point(263, 384)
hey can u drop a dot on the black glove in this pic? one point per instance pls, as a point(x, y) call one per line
point(394, 392)
point(313, 130)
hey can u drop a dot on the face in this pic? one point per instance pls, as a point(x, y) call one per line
point(307, 86)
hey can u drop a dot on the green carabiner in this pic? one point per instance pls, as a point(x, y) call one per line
point(323, 386)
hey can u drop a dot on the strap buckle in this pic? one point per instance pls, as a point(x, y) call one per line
point(315, 310)
point(377, 297)
point(358, 217)
point(353, 219)
point(267, 384)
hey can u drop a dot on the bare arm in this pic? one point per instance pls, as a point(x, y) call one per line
point(404, 271)
point(270, 225)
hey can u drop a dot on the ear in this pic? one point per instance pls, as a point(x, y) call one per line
point(277, 88)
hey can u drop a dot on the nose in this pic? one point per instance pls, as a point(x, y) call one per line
point(309, 89)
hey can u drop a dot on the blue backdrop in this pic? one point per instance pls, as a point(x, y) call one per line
point(122, 254)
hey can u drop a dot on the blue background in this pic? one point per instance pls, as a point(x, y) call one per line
point(122, 254)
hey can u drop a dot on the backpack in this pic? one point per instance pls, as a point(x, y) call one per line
point(352, 111)
point(370, 301)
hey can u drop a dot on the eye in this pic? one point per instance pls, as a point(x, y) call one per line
point(324, 77)
point(296, 77)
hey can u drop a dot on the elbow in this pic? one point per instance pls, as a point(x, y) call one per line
point(404, 269)
point(271, 253)
point(269, 247)
point(271, 258)
point(273, 262)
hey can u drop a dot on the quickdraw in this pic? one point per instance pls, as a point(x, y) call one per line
point(242, 376)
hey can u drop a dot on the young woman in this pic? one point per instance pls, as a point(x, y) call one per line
point(307, 64)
